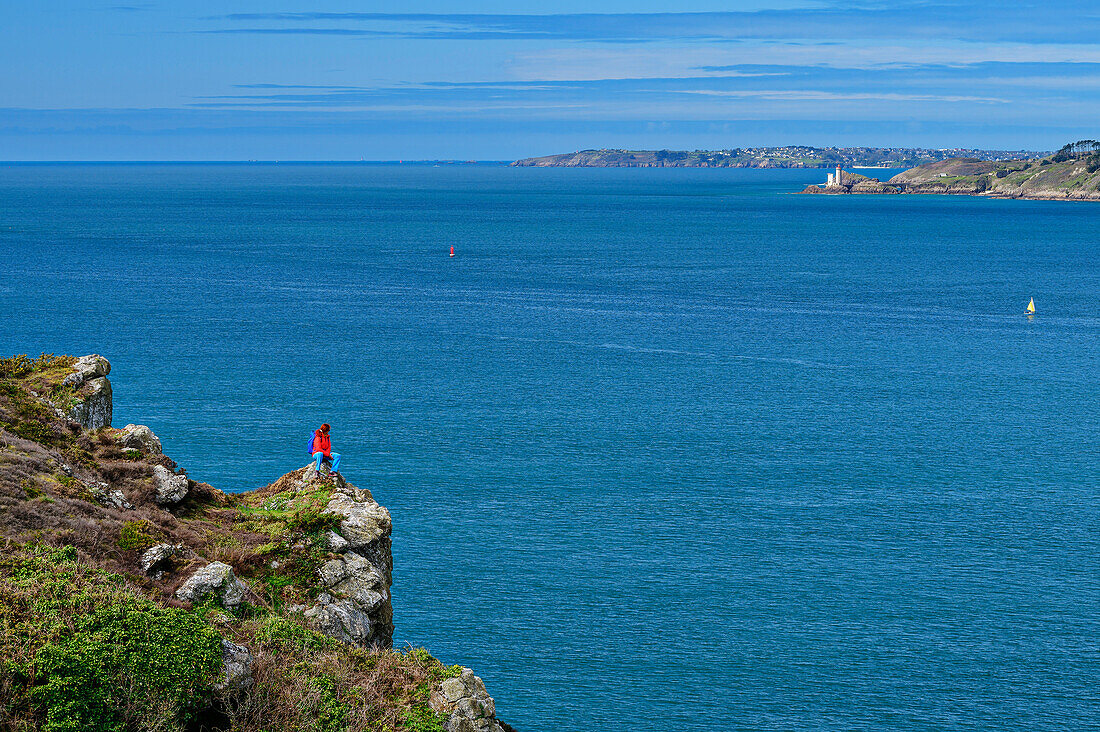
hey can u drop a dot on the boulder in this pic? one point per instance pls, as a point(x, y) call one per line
point(141, 438)
point(236, 668)
point(115, 498)
point(466, 704)
point(170, 488)
point(154, 559)
point(216, 579)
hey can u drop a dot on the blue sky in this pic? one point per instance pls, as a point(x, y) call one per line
point(319, 80)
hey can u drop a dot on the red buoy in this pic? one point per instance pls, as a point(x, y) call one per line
point(452, 250)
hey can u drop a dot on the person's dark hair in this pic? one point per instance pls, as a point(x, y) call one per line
point(325, 427)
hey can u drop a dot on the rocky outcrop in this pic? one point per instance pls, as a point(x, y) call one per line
point(170, 488)
point(87, 368)
point(92, 406)
point(141, 438)
point(155, 558)
point(309, 549)
point(466, 704)
point(216, 580)
point(852, 183)
point(236, 668)
point(355, 605)
point(103, 493)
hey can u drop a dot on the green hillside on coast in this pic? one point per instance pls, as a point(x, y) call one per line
point(1072, 173)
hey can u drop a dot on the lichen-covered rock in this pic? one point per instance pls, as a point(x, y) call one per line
point(335, 542)
point(466, 703)
point(170, 488)
point(343, 619)
point(236, 668)
point(92, 407)
point(363, 521)
point(355, 605)
point(141, 438)
point(352, 576)
point(215, 579)
point(156, 557)
point(87, 368)
point(103, 494)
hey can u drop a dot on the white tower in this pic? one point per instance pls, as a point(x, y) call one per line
point(838, 178)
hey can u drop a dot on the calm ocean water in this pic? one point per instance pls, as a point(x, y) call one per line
point(664, 449)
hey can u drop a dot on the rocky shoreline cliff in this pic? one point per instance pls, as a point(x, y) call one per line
point(133, 597)
point(1072, 174)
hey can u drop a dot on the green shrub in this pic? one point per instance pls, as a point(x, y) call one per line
point(83, 650)
point(35, 431)
point(136, 535)
point(16, 367)
point(126, 664)
point(278, 630)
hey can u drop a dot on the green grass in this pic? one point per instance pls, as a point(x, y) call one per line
point(136, 535)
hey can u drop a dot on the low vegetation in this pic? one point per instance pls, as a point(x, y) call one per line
point(90, 642)
point(1072, 172)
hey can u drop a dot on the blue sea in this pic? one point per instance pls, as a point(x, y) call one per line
point(664, 449)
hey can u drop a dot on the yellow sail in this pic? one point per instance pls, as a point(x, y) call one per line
point(1031, 306)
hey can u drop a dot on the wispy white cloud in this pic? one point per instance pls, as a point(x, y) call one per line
point(826, 96)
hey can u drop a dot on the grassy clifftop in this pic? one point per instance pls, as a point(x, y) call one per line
point(134, 598)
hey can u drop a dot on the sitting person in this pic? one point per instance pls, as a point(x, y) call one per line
point(321, 449)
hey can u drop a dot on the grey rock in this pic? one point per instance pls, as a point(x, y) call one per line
point(93, 408)
point(356, 607)
point(216, 579)
point(170, 488)
point(363, 521)
point(87, 368)
point(341, 619)
point(335, 542)
point(466, 704)
point(114, 498)
point(154, 558)
point(236, 668)
point(139, 437)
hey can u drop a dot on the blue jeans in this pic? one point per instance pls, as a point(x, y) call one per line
point(319, 456)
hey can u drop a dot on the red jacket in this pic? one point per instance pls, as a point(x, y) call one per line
point(322, 443)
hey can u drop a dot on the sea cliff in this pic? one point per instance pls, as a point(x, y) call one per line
point(133, 597)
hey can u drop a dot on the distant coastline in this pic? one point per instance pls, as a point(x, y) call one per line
point(797, 156)
point(1072, 173)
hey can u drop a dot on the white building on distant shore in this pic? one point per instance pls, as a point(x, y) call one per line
point(834, 179)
